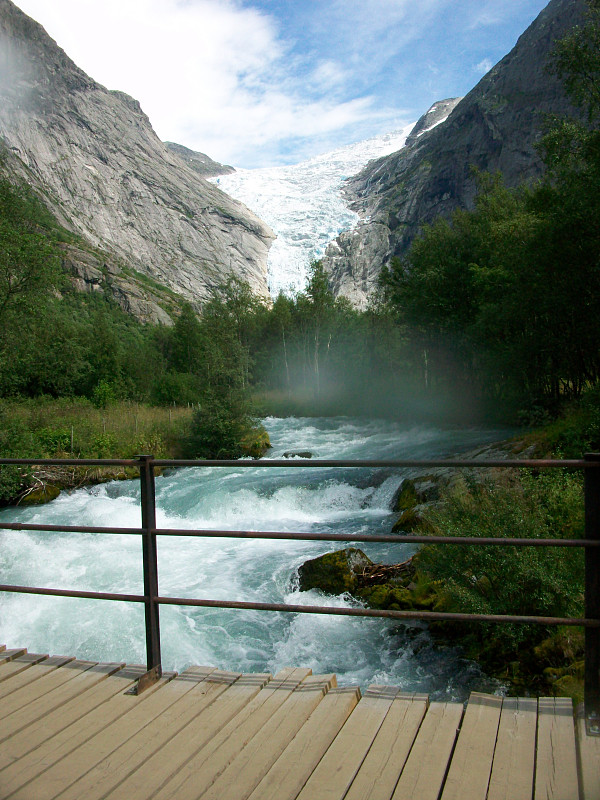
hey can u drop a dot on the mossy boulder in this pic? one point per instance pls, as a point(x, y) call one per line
point(388, 596)
point(427, 488)
point(44, 494)
point(412, 520)
point(405, 498)
point(334, 573)
point(255, 442)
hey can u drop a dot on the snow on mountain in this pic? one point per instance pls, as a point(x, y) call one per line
point(303, 204)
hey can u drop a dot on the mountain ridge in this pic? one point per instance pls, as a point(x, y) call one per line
point(108, 177)
point(494, 127)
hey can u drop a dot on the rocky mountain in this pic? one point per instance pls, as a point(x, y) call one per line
point(108, 177)
point(200, 162)
point(495, 127)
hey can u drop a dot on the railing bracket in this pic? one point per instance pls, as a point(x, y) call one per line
point(592, 721)
point(145, 681)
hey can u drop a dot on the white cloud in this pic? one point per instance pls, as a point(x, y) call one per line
point(484, 66)
point(211, 74)
point(230, 78)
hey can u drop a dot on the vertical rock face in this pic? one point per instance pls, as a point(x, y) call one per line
point(495, 127)
point(109, 176)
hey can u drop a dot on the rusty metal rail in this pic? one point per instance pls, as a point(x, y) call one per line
point(149, 532)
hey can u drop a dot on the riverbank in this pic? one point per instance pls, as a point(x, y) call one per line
point(326, 500)
point(522, 581)
point(76, 428)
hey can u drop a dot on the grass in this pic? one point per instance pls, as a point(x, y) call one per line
point(74, 427)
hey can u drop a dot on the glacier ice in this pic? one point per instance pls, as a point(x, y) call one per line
point(304, 205)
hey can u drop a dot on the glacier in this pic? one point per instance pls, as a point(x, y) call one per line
point(304, 205)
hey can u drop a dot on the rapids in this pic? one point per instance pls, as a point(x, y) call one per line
point(360, 651)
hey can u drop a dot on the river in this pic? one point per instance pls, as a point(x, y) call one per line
point(361, 651)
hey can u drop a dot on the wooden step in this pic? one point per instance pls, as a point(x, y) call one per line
point(423, 774)
point(246, 770)
point(29, 771)
point(196, 694)
point(41, 727)
point(514, 757)
point(379, 773)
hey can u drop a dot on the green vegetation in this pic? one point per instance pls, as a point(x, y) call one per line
point(509, 580)
point(494, 314)
point(44, 427)
point(503, 301)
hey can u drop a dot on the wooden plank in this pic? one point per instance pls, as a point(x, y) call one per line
point(588, 761)
point(197, 734)
point(59, 777)
point(425, 768)
point(471, 766)
point(247, 769)
point(27, 770)
point(10, 655)
point(380, 771)
point(13, 666)
point(18, 707)
point(205, 766)
point(556, 761)
point(74, 677)
point(297, 762)
point(514, 758)
point(149, 742)
point(49, 676)
point(335, 772)
point(39, 729)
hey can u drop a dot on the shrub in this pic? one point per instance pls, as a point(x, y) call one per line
point(542, 581)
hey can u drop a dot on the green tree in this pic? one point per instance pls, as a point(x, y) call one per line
point(186, 342)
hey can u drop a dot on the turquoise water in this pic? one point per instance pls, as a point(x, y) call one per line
point(350, 501)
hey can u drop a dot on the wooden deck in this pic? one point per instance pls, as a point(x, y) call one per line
point(68, 729)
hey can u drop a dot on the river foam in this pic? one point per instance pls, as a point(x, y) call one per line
point(328, 500)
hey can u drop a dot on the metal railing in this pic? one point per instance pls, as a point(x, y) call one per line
point(151, 598)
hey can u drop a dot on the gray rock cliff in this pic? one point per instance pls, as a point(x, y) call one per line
point(200, 162)
point(111, 180)
point(495, 128)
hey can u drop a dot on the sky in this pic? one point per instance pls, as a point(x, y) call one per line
point(257, 83)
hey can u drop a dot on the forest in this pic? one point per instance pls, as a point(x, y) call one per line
point(492, 315)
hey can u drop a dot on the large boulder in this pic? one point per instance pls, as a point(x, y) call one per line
point(334, 573)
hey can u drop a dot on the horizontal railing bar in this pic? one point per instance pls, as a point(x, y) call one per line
point(72, 462)
point(386, 538)
point(372, 612)
point(127, 598)
point(301, 609)
point(377, 538)
point(30, 526)
point(304, 463)
point(310, 462)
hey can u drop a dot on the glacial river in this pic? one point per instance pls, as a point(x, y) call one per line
point(360, 651)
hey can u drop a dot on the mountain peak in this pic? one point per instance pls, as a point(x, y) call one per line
point(434, 116)
point(495, 127)
point(105, 172)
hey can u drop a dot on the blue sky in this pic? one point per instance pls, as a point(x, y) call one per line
point(264, 82)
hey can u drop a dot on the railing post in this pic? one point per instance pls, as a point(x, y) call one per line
point(592, 597)
point(150, 568)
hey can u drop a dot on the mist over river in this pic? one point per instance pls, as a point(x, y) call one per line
point(360, 651)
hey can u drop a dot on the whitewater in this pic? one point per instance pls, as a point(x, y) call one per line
point(360, 651)
point(304, 205)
